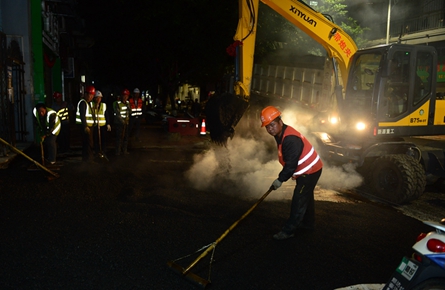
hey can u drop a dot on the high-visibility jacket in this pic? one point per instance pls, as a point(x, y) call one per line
point(136, 108)
point(62, 111)
point(55, 130)
point(309, 161)
point(100, 113)
point(121, 110)
point(63, 114)
point(88, 114)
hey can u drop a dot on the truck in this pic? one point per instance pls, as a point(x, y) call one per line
point(380, 98)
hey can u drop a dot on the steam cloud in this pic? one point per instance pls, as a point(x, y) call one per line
point(248, 166)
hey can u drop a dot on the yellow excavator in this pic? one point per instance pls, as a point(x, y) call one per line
point(382, 95)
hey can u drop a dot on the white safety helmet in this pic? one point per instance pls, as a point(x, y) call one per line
point(136, 91)
point(98, 94)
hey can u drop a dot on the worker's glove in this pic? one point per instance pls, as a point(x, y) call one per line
point(87, 130)
point(276, 184)
point(108, 127)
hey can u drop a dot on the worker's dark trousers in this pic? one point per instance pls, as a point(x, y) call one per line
point(121, 138)
point(302, 214)
point(50, 147)
point(87, 144)
point(100, 146)
point(135, 127)
point(63, 139)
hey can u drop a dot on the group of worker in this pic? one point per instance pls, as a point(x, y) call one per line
point(94, 121)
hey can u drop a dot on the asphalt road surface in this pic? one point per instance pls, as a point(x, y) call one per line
point(116, 224)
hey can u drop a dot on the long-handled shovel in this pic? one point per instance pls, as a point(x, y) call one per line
point(42, 152)
point(101, 154)
point(29, 158)
point(96, 119)
point(195, 278)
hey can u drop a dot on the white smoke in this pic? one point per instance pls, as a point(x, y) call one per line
point(247, 167)
point(244, 167)
point(333, 177)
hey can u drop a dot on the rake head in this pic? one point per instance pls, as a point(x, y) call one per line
point(189, 275)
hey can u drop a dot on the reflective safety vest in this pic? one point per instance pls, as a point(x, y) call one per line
point(63, 114)
point(100, 113)
point(309, 161)
point(136, 109)
point(62, 111)
point(88, 114)
point(49, 112)
point(122, 109)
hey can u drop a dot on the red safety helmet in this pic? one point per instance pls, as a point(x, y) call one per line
point(126, 92)
point(57, 95)
point(269, 114)
point(91, 90)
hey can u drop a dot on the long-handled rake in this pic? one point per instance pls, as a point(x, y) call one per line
point(101, 153)
point(185, 272)
point(55, 175)
point(42, 153)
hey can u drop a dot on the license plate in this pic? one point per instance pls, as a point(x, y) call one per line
point(405, 272)
point(407, 268)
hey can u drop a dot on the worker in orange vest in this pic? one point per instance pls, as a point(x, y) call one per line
point(136, 115)
point(300, 162)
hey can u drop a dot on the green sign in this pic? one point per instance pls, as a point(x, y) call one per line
point(441, 70)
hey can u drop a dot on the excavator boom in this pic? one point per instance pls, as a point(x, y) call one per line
point(336, 42)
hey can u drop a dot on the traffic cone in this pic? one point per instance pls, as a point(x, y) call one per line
point(203, 127)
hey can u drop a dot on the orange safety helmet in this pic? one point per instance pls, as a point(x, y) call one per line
point(91, 90)
point(57, 95)
point(126, 92)
point(269, 114)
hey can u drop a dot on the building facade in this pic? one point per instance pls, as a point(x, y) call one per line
point(410, 22)
point(42, 48)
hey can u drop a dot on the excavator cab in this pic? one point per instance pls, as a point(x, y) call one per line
point(390, 91)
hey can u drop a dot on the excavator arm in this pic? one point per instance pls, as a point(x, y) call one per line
point(224, 111)
point(337, 43)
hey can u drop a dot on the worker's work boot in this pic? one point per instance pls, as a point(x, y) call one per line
point(283, 236)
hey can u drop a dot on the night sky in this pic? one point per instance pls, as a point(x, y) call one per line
point(145, 42)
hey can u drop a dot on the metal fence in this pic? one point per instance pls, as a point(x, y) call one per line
point(12, 93)
point(429, 21)
point(5, 104)
point(298, 84)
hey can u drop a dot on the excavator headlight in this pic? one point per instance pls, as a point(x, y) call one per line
point(360, 126)
point(333, 120)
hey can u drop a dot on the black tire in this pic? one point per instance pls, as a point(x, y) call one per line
point(431, 284)
point(397, 178)
point(419, 175)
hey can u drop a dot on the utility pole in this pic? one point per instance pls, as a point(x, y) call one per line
point(388, 22)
